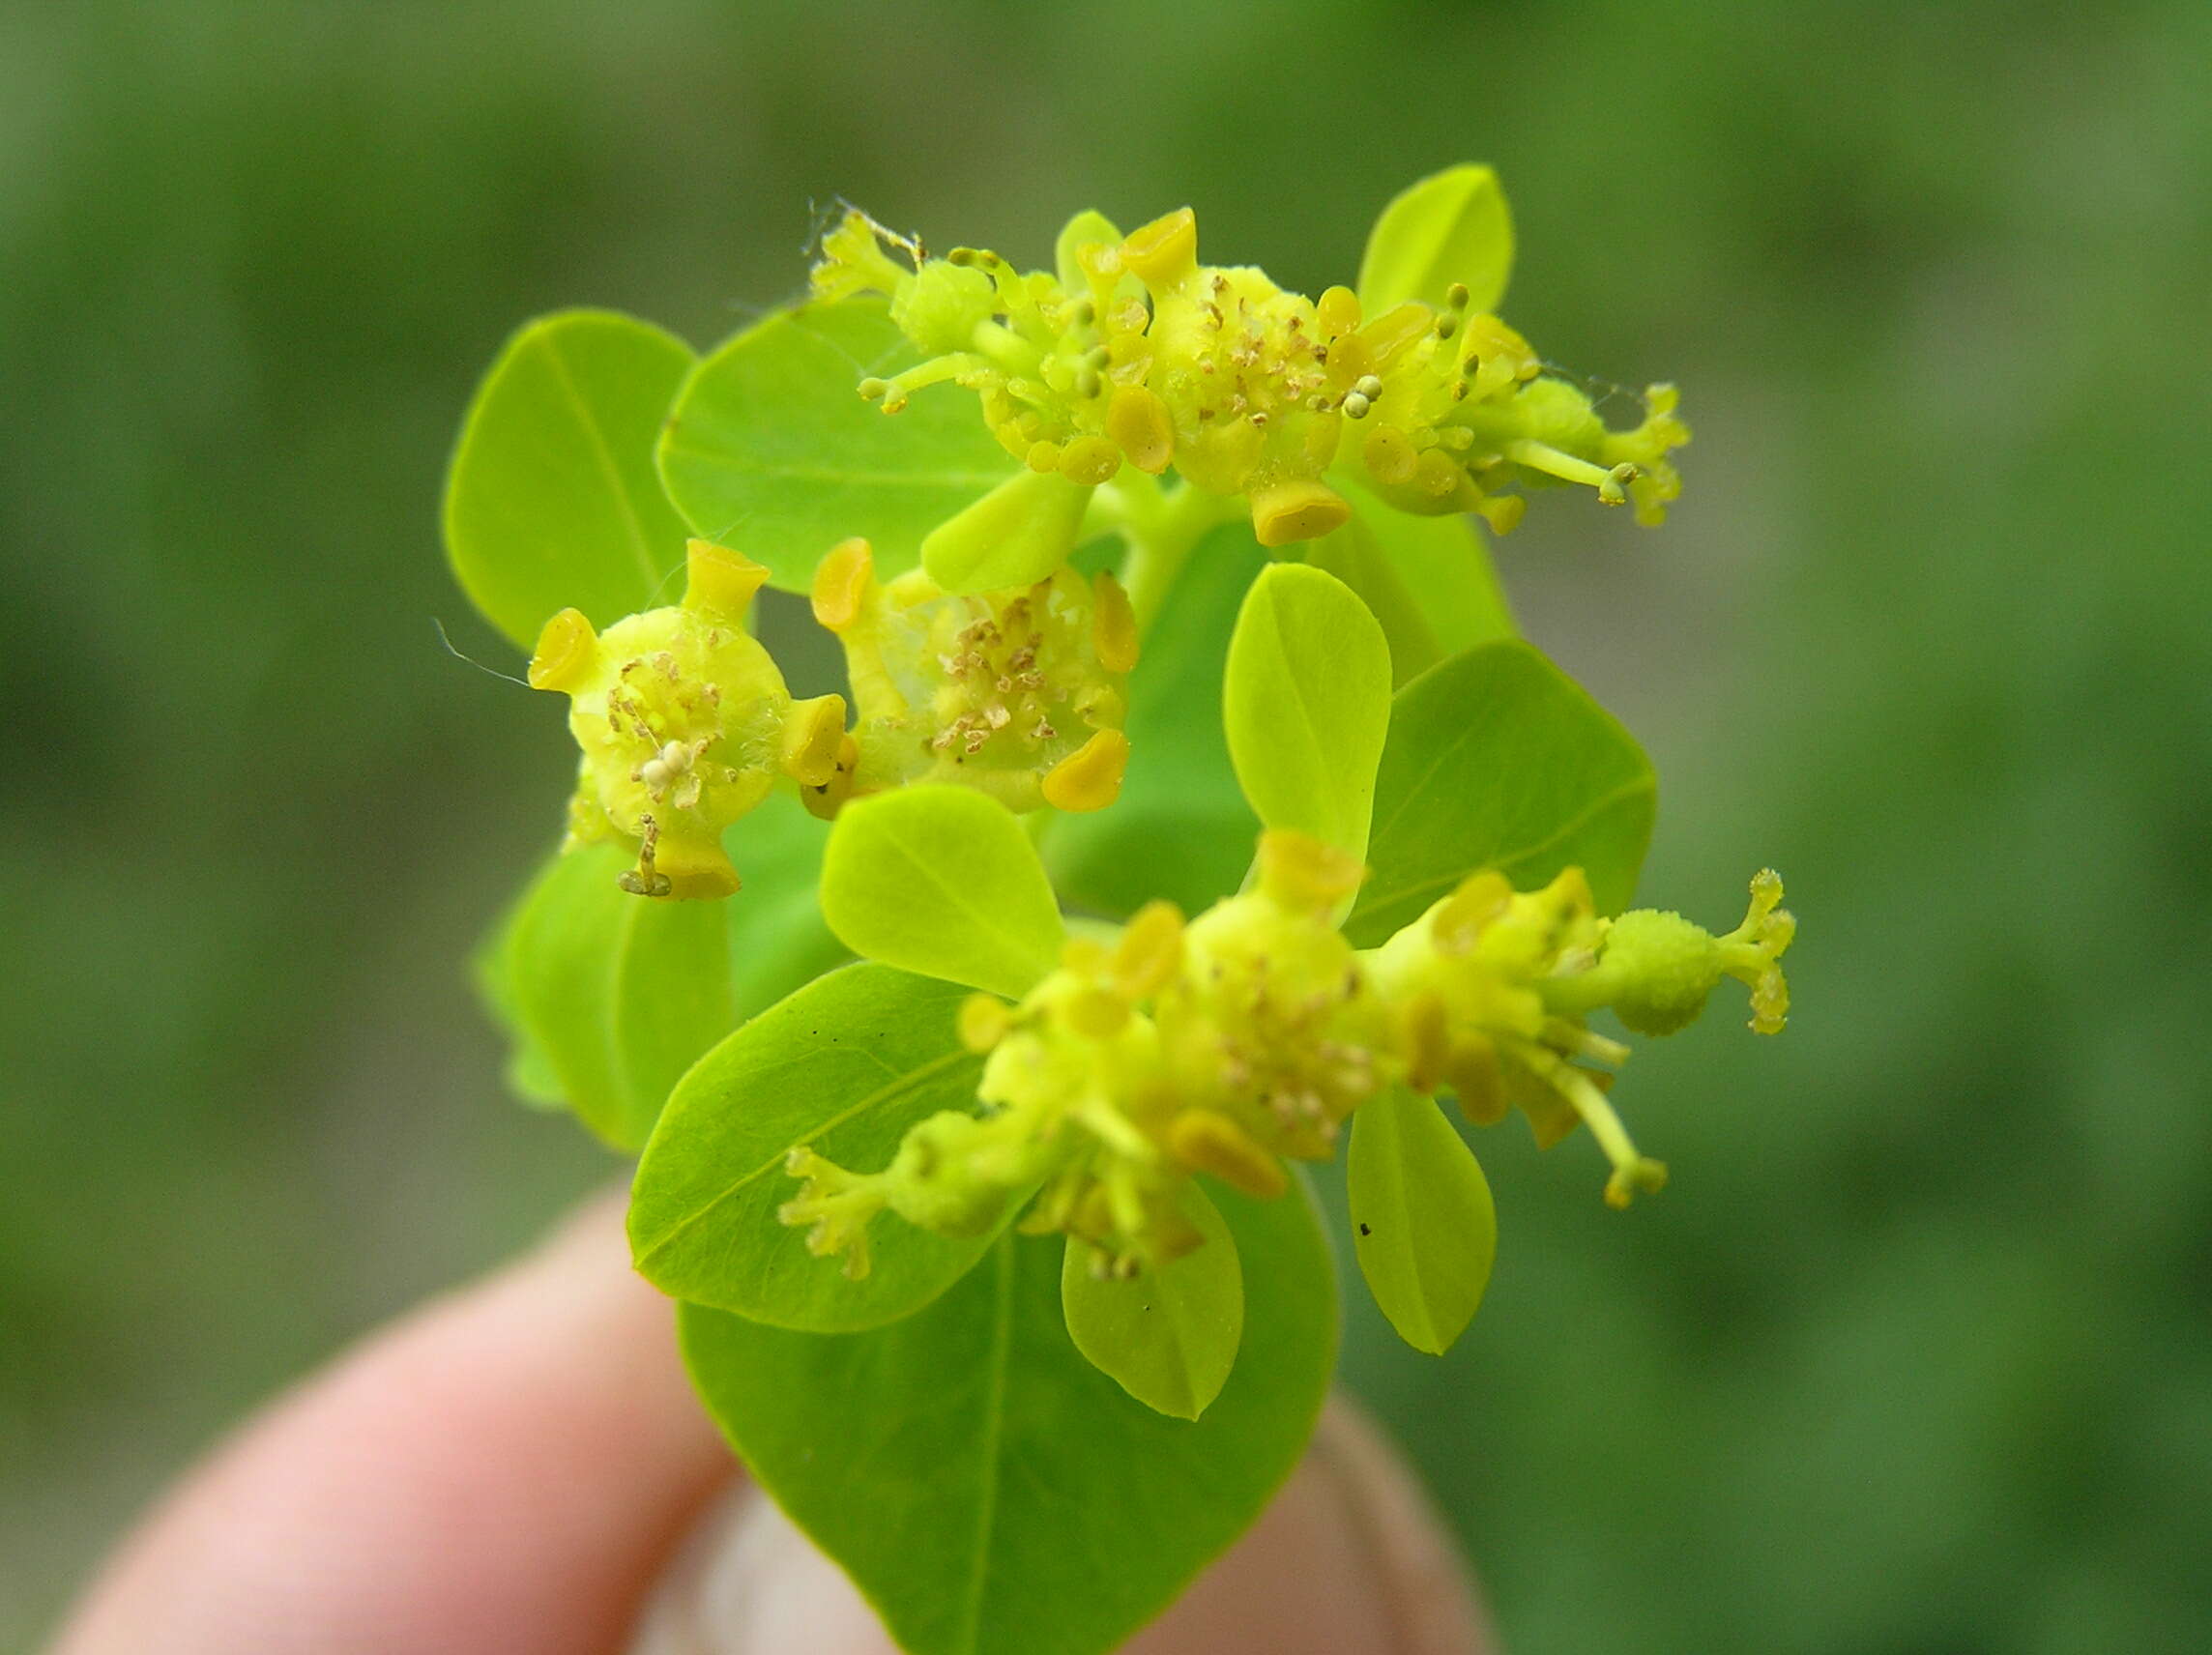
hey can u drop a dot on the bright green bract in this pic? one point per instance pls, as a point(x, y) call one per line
point(1499, 760)
point(777, 940)
point(1306, 704)
point(615, 995)
point(1167, 1336)
point(941, 880)
point(988, 1489)
point(844, 1066)
point(772, 450)
point(1452, 227)
point(1181, 829)
point(552, 501)
point(1423, 1228)
point(1428, 581)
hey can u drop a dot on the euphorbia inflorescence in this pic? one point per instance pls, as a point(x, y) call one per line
point(1135, 353)
point(1250, 1035)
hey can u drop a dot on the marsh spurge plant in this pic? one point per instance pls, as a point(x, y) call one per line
point(1189, 812)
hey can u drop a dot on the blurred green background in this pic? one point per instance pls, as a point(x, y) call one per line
point(1915, 1356)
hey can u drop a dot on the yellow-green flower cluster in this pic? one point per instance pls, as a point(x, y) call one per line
point(685, 725)
point(1019, 692)
point(1247, 1037)
point(1135, 353)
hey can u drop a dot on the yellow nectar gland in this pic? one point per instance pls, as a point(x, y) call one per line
point(684, 725)
point(1136, 352)
point(1019, 692)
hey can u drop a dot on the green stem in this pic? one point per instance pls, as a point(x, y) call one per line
point(1160, 528)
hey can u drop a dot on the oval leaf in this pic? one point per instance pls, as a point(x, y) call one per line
point(941, 880)
point(1168, 1336)
point(552, 500)
point(1452, 227)
point(1181, 829)
point(1496, 759)
point(844, 1066)
point(1427, 580)
point(615, 995)
point(989, 1490)
point(771, 449)
point(1422, 1224)
point(1306, 704)
point(777, 940)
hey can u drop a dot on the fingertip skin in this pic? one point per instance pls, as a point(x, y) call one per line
point(505, 1469)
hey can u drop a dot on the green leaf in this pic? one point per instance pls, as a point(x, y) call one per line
point(943, 881)
point(551, 500)
point(1181, 829)
point(1168, 1336)
point(773, 452)
point(1306, 703)
point(778, 939)
point(989, 1490)
point(1452, 227)
point(844, 1066)
point(1014, 535)
point(615, 994)
point(1499, 760)
point(1088, 225)
point(1427, 580)
point(1423, 1227)
point(529, 1072)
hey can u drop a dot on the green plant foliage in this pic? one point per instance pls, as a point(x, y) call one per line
point(845, 1065)
point(941, 880)
point(1499, 760)
point(1427, 580)
point(1424, 1230)
point(778, 939)
point(772, 452)
point(615, 995)
point(552, 501)
point(1306, 704)
point(1167, 1336)
point(1181, 829)
point(988, 1489)
point(1014, 535)
point(1452, 227)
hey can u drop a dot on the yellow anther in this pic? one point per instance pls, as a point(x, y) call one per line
point(1090, 778)
point(1163, 252)
point(1336, 312)
point(841, 584)
point(1207, 1140)
point(1502, 512)
point(983, 1022)
point(813, 736)
point(1090, 460)
point(1139, 422)
point(1042, 457)
point(1302, 872)
point(1096, 1014)
point(1389, 454)
point(1150, 951)
point(566, 651)
point(1428, 1042)
point(1463, 917)
point(1113, 625)
point(718, 581)
point(826, 799)
point(1297, 510)
point(1641, 1177)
